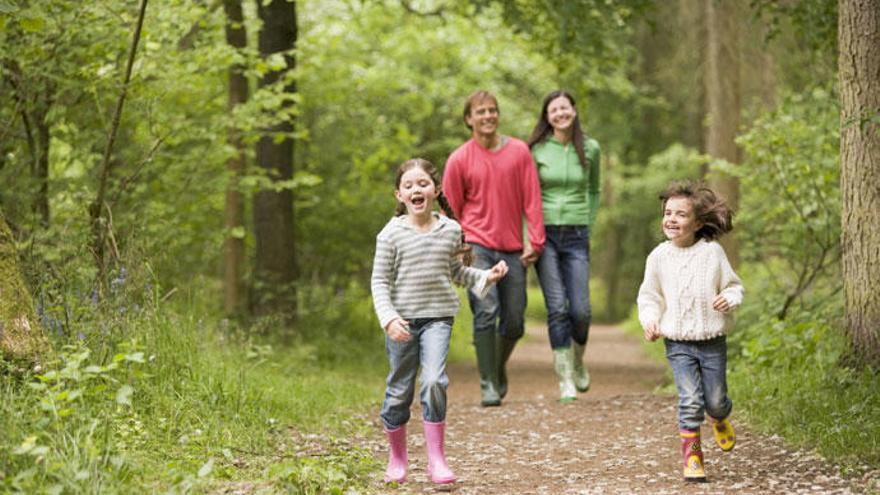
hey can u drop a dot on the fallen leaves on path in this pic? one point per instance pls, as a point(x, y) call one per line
point(607, 442)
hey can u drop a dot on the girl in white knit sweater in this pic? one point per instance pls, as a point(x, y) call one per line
point(687, 297)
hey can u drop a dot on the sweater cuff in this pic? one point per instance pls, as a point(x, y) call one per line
point(481, 288)
point(385, 319)
point(733, 298)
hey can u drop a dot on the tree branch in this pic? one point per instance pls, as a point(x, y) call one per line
point(106, 164)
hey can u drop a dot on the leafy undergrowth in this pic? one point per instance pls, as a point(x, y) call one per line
point(183, 404)
point(788, 378)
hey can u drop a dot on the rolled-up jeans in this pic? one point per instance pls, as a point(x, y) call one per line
point(700, 371)
point(428, 349)
point(504, 306)
point(564, 273)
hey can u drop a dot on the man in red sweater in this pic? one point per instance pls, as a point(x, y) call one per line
point(491, 183)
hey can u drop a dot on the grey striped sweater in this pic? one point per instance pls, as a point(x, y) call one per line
point(413, 271)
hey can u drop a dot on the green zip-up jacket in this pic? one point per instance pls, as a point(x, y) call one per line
point(569, 193)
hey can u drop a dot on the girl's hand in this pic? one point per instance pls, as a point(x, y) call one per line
point(398, 330)
point(720, 304)
point(497, 272)
point(652, 332)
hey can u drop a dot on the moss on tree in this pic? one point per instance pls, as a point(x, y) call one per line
point(21, 337)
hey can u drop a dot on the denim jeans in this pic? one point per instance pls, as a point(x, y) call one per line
point(505, 304)
point(428, 347)
point(564, 273)
point(700, 370)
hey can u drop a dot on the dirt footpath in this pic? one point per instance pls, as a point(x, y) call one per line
point(618, 438)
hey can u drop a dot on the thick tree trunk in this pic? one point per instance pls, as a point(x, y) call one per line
point(21, 337)
point(273, 210)
point(233, 247)
point(859, 72)
point(723, 100)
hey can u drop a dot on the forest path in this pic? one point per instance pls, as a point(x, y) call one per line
point(617, 438)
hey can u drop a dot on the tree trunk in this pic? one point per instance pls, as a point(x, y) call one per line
point(610, 269)
point(723, 100)
point(859, 72)
point(273, 209)
point(233, 247)
point(34, 115)
point(21, 337)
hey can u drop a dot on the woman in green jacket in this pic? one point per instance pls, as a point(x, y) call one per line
point(568, 168)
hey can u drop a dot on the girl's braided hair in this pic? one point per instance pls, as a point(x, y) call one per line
point(710, 209)
point(431, 170)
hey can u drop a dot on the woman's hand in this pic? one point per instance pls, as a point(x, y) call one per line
point(497, 272)
point(398, 330)
point(720, 304)
point(652, 331)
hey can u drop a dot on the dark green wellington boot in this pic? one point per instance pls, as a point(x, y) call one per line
point(487, 363)
point(505, 349)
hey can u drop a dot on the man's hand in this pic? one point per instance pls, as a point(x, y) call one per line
point(398, 330)
point(529, 255)
point(652, 331)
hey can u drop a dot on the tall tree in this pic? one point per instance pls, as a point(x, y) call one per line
point(233, 246)
point(859, 72)
point(34, 97)
point(723, 99)
point(275, 271)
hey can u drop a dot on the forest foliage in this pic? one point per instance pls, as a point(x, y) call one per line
point(377, 82)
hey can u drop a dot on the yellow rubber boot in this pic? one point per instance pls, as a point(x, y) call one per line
point(725, 437)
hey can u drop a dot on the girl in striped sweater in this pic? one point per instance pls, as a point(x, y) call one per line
point(417, 259)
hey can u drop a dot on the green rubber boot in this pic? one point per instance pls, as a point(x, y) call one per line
point(487, 364)
point(581, 375)
point(565, 372)
point(505, 349)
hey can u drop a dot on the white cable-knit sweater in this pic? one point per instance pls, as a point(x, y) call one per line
point(679, 286)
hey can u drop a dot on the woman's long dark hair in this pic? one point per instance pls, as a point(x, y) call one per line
point(543, 129)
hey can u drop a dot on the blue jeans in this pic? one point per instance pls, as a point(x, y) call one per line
point(505, 304)
point(428, 347)
point(700, 370)
point(564, 273)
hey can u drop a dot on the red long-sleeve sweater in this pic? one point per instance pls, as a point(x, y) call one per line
point(491, 191)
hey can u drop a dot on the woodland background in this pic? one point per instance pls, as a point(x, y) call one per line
point(193, 189)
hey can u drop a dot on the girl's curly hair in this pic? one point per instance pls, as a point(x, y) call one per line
point(710, 209)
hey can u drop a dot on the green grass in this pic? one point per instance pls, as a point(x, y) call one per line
point(788, 380)
point(183, 405)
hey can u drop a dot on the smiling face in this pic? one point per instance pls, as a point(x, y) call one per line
point(561, 114)
point(417, 191)
point(680, 221)
point(483, 117)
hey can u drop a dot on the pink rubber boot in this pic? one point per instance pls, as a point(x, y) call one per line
point(397, 461)
point(437, 467)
